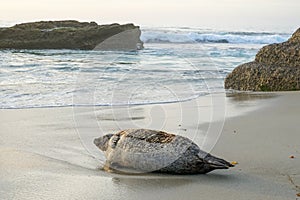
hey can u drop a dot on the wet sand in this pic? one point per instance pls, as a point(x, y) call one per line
point(47, 153)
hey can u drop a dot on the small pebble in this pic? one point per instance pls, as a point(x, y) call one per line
point(292, 156)
point(234, 163)
point(298, 195)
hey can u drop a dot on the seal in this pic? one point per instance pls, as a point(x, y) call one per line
point(144, 150)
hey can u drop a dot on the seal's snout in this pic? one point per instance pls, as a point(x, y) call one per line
point(97, 141)
point(102, 142)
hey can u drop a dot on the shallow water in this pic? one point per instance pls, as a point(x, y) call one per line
point(167, 70)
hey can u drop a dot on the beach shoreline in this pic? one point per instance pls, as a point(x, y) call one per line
point(43, 151)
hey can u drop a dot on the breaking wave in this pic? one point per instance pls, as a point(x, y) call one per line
point(198, 36)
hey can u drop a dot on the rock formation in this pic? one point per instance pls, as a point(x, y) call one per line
point(68, 34)
point(276, 68)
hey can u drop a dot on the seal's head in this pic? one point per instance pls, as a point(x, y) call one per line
point(102, 142)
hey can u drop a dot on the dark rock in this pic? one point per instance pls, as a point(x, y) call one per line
point(276, 68)
point(68, 34)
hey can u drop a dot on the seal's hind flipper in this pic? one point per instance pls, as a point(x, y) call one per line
point(217, 163)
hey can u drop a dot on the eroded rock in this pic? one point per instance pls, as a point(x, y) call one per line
point(68, 34)
point(276, 68)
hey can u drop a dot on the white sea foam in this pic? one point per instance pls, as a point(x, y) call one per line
point(204, 36)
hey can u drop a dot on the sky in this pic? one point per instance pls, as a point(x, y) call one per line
point(227, 14)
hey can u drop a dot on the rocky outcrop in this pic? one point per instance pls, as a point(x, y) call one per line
point(69, 34)
point(276, 68)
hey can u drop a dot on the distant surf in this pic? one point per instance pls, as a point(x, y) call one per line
point(187, 35)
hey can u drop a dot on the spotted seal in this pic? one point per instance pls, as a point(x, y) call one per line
point(143, 150)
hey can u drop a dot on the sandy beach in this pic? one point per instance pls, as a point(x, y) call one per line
point(45, 153)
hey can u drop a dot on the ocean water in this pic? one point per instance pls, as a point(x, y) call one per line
point(177, 64)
